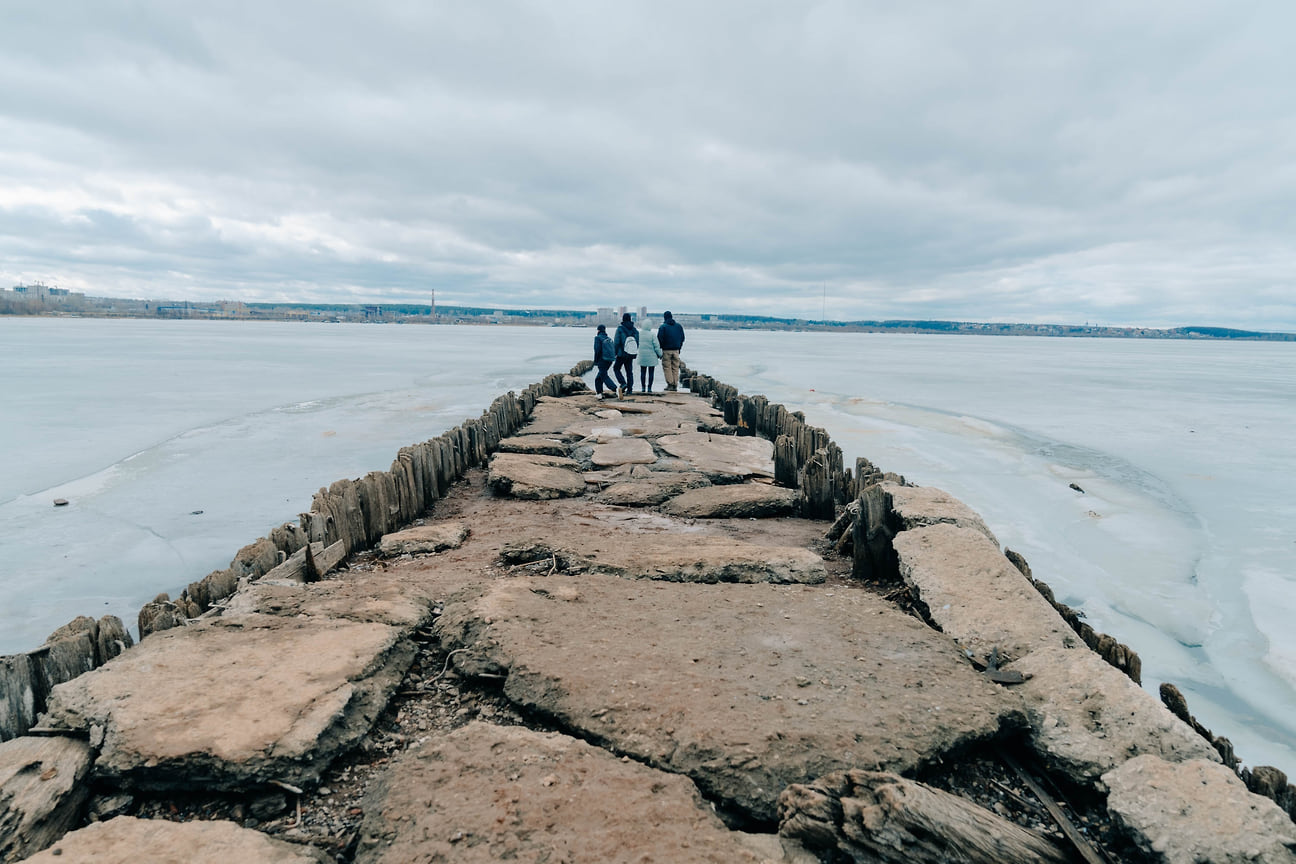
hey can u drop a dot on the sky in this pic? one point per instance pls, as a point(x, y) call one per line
point(1114, 163)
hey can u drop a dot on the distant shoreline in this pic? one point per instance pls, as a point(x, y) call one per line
point(70, 305)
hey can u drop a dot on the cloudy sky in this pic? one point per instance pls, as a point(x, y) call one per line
point(1103, 162)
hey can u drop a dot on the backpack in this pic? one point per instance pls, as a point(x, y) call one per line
point(607, 352)
point(631, 346)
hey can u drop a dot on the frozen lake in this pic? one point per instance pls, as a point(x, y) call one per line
point(179, 441)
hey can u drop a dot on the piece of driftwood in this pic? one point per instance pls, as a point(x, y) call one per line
point(1087, 851)
point(309, 563)
point(880, 817)
point(318, 564)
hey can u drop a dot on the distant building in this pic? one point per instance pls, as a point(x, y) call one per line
point(39, 292)
point(607, 316)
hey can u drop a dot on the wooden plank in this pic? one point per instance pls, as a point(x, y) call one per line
point(1087, 850)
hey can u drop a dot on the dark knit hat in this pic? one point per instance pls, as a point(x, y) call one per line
point(667, 316)
point(626, 319)
point(602, 328)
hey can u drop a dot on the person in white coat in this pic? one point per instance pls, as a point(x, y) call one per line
point(650, 353)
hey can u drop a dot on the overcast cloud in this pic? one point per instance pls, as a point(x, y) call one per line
point(1109, 162)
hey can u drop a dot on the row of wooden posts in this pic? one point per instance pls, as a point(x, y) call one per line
point(805, 457)
point(346, 517)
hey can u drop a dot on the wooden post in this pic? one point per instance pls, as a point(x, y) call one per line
point(785, 462)
point(818, 497)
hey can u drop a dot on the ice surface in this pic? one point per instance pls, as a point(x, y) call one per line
point(1182, 543)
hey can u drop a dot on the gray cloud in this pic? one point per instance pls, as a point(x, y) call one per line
point(1097, 162)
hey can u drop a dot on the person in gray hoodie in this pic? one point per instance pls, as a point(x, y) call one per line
point(670, 335)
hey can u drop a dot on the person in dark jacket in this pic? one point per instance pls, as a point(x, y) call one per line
point(604, 356)
point(625, 356)
point(670, 335)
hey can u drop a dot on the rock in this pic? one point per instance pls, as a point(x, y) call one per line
point(127, 840)
point(871, 816)
point(722, 455)
point(733, 501)
point(1087, 717)
point(974, 594)
point(267, 805)
point(233, 703)
point(492, 793)
point(744, 688)
point(916, 506)
point(533, 445)
point(1193, 811)
point(702, 558)
point(535, 477)
point(424, 539)
point(42, 791)
point(652, 490)
point(624, 451)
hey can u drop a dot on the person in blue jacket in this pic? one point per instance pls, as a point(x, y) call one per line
point(626, 352)
point(604, 356)
point(670, 335)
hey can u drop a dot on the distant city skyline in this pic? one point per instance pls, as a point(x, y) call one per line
point(1111, 163)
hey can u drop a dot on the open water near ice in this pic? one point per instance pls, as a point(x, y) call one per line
point(1183, 543)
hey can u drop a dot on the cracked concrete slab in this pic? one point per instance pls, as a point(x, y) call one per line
point(722, 454)
point(228, 704)
point(492, 793)
point(535, 477)
point(744, 688)
point(975, 594)
point(733, 501)
point(127, 840)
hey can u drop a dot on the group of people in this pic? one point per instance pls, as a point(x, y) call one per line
point(650, 348)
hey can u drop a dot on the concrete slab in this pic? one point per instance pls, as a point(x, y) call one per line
point(744, 688)
point(534, 445)
point(916, 506)
point(722, 454)
point(733, 501)
point(651, 490)
point(392, 596)
point(535, 477)
point(975, 595)
point(1087, 717)
point(424, 539)
point(127, 840)
point(625, 451)
point(227, 704)
point(42, 790)
point(492, 793)
point(1188, 812)
point(699, 558)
